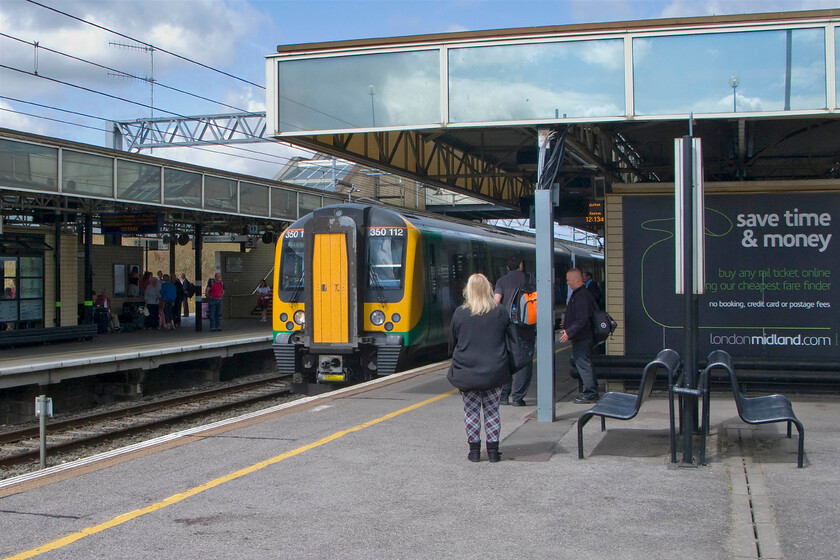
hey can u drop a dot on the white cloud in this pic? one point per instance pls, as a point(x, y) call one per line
point(10, 118)
point(684, 8)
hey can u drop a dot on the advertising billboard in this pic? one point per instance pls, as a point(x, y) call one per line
point(772, 276)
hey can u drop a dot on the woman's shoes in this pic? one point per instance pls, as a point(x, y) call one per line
point(493, 452)
point(475, 452)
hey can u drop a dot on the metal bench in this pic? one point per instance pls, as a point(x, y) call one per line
point(625, 406)
point(753, 410)
point(21, 337)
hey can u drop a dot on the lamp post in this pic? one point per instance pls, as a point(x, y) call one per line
point(372, 92)
point(734, 82)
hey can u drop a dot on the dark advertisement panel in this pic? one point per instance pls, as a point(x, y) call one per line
point(772, 275)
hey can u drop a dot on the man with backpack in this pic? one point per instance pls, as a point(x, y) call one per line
point(577, 327)
point(508, 289)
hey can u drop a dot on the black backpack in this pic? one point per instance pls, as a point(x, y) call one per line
point(603, 325)
point(189, 289)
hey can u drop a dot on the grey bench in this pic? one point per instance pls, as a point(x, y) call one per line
point(21, 337)
point(625, 406)
point(752, 410)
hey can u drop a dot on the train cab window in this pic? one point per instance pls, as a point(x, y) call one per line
point(385, 254)
point(291, 266)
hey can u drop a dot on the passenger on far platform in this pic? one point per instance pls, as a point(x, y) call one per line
point(214, 293)
point(144, 282)
point(189, 291)
point(152, 299)
point(592, 286)
point(167, 295)
point(480, 365)
point(134, 282)
point(263, 298)
point(180, 297)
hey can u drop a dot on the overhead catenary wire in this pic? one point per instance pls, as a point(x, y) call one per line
point(123, 35)
point(127, 74)
point(118, 98)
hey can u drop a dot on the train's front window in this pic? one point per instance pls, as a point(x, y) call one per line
point(291, 267)
point(385, 254)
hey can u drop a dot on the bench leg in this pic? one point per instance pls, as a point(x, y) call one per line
point(584, 418)
point(603, 424)
point(800, 455)
point(789, 434)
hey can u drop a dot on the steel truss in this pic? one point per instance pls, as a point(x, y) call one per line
point(231, 128)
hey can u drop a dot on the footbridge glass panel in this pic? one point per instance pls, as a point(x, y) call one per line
point(181, 188)
point(837, 66)
point(537, 81)
point(362, 91)
point(220, 194)
point(87, 174)
point(27, 166)
point(138, 181)
point(730, 72)
point(253, 199)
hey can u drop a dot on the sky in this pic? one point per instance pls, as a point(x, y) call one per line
point(234, 36)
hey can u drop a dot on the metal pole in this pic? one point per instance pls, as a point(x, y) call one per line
point(544, 218)
point(57, 262)
point(198, 291)
point(88, 318)
point(689, 315)
point(42, 428)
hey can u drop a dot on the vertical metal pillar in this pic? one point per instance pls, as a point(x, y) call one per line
point(88, 318)
point(42, 428)
point(173, 240)
point(544, 217)
point(689, 405)
point(198, 291)
point(57, 264)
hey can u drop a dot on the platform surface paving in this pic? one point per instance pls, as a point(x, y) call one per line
point(381, 472)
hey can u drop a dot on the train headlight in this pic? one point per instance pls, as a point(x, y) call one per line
point(299, 317)
point(377, 317)
point(396, 317)
point(284, 317)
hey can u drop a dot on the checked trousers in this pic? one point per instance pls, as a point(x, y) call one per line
point(474, 401)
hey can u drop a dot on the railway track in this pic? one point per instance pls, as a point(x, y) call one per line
point(23, 446)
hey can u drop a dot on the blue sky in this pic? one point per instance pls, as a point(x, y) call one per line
point(235, 36)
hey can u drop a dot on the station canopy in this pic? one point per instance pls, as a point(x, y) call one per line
point(461, 111)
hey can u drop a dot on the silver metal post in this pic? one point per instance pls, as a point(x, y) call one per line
point(42, 431)
point(544, 217)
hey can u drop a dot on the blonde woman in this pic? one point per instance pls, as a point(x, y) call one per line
point(480, 363)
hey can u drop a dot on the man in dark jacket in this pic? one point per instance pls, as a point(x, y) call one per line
point(577, 327)
point(506, 289)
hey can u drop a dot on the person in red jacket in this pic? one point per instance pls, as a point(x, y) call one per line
point(215, 291)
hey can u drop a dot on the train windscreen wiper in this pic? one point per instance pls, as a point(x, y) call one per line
point(380, 291)
point(298, 289)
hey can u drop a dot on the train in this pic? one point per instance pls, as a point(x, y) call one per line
point(362, 290)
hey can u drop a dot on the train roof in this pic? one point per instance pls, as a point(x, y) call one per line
point(428, 220)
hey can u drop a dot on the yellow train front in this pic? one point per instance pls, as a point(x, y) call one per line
point(360, 290)
point(347, 294)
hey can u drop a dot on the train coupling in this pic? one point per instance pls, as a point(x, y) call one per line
point(331, 369)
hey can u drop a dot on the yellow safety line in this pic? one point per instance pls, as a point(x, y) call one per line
point(119, 520)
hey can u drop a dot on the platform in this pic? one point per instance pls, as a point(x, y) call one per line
point(380, 471)
point(144, 349)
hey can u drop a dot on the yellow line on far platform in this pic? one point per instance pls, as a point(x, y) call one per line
point(119, 520)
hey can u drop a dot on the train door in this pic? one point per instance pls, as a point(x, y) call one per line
point(330, 290)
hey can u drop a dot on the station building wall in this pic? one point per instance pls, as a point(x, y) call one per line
point(241, 274)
